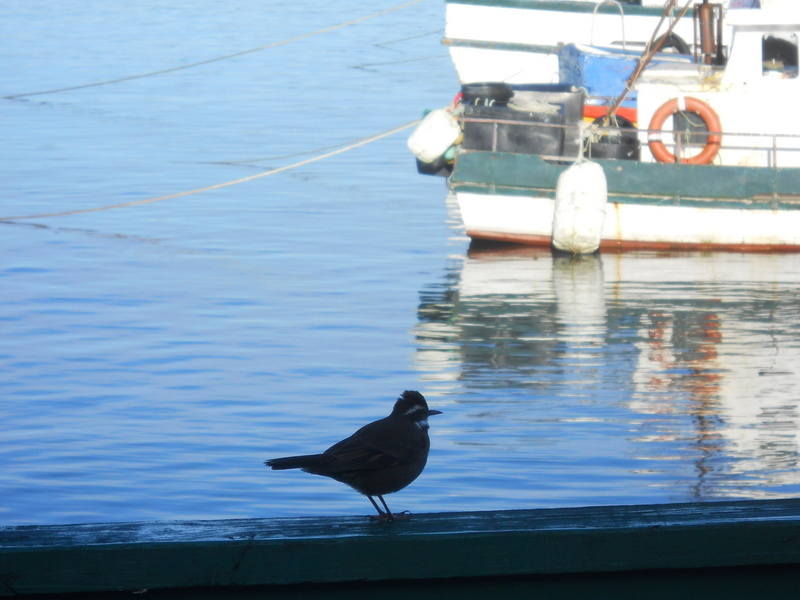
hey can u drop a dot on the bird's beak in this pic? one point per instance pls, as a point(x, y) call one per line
point(434, 412)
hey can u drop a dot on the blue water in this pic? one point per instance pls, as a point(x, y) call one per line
point(152, 356)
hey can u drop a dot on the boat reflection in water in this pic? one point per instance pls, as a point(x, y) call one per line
point(687, 364)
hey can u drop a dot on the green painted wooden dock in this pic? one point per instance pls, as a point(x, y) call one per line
point(740, 549)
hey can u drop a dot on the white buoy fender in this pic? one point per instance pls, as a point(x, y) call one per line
point(434, 135)
point(580, 210)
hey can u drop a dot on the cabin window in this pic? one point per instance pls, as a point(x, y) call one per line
point(779, 56)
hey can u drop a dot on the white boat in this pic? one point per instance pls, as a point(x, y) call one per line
point(714, 164)
point(515, 41)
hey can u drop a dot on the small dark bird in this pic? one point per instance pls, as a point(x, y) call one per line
point(380, 458)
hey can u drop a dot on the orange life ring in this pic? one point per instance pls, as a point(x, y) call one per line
point(669, 108)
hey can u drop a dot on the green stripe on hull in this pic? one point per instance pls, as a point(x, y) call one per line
point(635, 182)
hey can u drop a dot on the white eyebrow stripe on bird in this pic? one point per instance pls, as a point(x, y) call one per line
point(413, 409)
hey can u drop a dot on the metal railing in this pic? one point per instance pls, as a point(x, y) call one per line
point(774, 147)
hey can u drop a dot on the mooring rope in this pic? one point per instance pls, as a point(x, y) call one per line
point(356, 144)
point(216, 59)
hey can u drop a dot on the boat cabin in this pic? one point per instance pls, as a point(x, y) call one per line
point(750, 101)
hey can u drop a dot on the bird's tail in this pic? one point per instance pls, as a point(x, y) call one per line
point(296, 462)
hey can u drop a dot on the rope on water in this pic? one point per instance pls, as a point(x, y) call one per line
point(356, 144)
point(211, 60)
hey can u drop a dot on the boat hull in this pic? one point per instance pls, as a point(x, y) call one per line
point(511, 198)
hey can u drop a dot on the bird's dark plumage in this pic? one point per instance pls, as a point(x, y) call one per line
point(380, 458)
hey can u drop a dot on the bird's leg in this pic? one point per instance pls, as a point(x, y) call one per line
point(386, 506)
point(389, 515)
point(403, 516)
point(382, 516)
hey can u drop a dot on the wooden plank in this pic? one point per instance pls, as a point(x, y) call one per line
point(753, 540)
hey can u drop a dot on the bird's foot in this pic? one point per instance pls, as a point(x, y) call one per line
point(381, 518)
point(384, 517)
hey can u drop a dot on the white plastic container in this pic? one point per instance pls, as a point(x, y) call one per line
point(434, 135)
